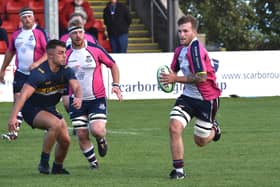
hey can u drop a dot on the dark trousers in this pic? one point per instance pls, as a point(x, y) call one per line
point(119, 43)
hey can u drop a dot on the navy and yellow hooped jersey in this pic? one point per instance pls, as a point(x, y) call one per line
point(49, 86)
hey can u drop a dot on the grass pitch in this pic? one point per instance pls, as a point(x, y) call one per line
point(247, 155)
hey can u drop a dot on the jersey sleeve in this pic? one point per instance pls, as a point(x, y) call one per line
point(69, 73)
point(36, 77)
point(105, 58)
point(12, 46)
point(175, 66)
point(197, 58)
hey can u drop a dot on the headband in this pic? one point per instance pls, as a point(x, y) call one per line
point(75, 28)
point(26, 12)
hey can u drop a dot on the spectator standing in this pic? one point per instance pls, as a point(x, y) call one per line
point(3, 33)
point(117, 20)
point(82, 7)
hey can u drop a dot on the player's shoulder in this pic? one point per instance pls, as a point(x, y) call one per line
point(41, 69)
point(39, 28)
point(96, 47)
point(196, 44)
point(178, 49)
point(41, 32)
point(91, 44)
point(16, 32)
point(67, 69)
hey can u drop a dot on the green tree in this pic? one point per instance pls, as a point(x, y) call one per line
point(237, 24)
point(268, 14)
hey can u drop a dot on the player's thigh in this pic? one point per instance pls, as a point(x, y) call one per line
point(79, 117)
point(97, 110)
point(19, 80)
point(97, 114)
point(42, 118)
point(205, 114)
point(181, 112)
point(202, 129)
point(63, 136)
point(46, 120)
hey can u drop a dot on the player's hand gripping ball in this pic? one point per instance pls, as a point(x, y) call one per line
point(166, 87)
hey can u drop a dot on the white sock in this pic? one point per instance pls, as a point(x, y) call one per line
point(180, 170)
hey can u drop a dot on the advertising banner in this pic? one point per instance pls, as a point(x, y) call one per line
point(243, 74)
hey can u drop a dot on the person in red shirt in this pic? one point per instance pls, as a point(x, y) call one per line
point(78, 6)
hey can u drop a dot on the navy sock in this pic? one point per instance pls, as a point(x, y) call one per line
point(45, 157)
point(56, 166)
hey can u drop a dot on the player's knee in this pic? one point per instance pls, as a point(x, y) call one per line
point(175, 127)
point(55, 126)
point(63, 137)
point(83, 135)
point(200, 142)
point(98, 129)
point(66, 141)
point(97, 124)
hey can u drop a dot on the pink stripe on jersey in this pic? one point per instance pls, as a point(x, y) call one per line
point(100, 57)
point(40, 44)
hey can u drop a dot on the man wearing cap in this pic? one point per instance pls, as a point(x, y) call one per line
point(86, 59)
point(28, 44)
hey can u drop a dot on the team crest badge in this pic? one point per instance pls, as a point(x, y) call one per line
point(102, 106)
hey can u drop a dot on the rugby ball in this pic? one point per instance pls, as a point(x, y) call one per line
point(163, 86)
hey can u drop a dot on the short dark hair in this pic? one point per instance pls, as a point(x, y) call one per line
point(188, 19)
point(52, 44)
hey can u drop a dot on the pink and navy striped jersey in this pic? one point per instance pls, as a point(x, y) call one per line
point(87, 65)
point(29, 46)
point(194, 59)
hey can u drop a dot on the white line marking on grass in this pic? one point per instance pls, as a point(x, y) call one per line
point(129, 131)
point(123, 132)
point(120, 131)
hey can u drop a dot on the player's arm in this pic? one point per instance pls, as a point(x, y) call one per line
point(109, 62)
point(77, 91)
point(190, 79)
point(172, 77)
point(116, 80)
point(197, 62)
point(38, 62)
point(25, 93)
point(7, 59)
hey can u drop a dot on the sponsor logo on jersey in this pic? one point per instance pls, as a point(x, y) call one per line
point(88, 59)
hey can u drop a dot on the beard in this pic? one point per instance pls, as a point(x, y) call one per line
point(78, 43)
